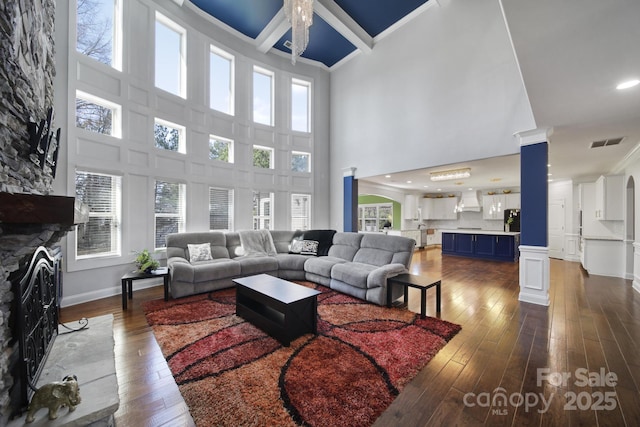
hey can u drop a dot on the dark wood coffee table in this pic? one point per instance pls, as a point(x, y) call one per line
point(282, 309)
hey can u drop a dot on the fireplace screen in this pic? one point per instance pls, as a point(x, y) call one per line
point(36, 320)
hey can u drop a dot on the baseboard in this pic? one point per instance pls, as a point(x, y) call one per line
point(102, 293)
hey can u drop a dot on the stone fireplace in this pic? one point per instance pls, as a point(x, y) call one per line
point(27, 70)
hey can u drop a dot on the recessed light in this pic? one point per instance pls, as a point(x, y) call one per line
point(408, 182)
point(387, 176)
point(628, 84)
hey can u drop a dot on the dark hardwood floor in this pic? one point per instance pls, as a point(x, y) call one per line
point(592, 327)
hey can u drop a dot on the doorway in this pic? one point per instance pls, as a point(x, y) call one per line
point(556, 228)
point(630, 225)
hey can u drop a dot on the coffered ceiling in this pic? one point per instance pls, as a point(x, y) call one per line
point(571, 53)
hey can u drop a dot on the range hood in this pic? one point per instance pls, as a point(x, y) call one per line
point(469, 202)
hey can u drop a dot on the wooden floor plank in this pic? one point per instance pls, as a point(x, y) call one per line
point(592, 322)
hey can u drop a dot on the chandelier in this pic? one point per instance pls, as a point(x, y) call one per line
point(451, 174)
point(300, 15)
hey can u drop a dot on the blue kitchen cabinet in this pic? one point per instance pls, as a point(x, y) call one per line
point(498, 247)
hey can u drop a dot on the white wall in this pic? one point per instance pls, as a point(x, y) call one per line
point(135, 158)
point(444, 88)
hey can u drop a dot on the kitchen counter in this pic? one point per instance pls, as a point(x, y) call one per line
point(488, 244)
point(477, 231)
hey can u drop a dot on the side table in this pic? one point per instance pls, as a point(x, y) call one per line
point(422, 282)
point(127, 282)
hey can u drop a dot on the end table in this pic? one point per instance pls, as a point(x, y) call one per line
point(127, 282)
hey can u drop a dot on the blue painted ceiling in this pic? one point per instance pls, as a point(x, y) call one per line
point(326, 45)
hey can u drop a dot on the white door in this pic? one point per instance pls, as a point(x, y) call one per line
point(556, 228)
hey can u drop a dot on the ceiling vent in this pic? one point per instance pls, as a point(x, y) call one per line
point(606, 142)
point(288, 44)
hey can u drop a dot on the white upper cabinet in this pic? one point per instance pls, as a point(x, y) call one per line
point(609, 196)
point(493, 206)
point(512, 201)
point(410, 208)
point(426, 207)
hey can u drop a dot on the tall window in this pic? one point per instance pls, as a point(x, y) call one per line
point(300, 101)
point(262, 96)
point(262, 157)
point(221, 83)
point(220, 209)
point(262, 210)
point(99, 30)
point(300, 162)
point(97, 115)
point(171, 53)
point(103, 195)
point(220, 149)
point(300, 211)
point(169, 136)
point(169, 210)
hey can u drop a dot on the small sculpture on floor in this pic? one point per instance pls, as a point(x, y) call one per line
point(55, 395)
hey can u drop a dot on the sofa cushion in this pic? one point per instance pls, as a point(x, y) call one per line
point(291, 261)
point(321, 266)
point(282, 239)
point(257, 242)
point(215, 269)
point(177, 243)
point(256, 264)
point(352, 273)
point(199, 252)
point(381, 249)
point(323, 237)
point(345, 245)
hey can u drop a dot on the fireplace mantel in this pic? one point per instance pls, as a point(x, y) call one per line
point(22, 208)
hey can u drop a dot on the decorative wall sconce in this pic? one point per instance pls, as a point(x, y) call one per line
point(44, 143)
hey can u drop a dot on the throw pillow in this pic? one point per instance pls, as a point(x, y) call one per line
point(201, 252)
point(296, 246)
point(309, 247)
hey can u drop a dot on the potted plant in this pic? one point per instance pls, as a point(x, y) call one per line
point(508, 225)
point(145, 262)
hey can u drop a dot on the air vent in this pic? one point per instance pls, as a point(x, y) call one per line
point(606, 142)
point(288, 44)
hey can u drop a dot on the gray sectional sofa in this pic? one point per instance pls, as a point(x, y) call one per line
point(351, 263)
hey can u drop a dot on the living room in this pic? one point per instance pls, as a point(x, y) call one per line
point(345, 128)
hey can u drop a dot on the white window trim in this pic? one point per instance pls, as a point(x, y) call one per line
point(182, 135)
point(232, 96)
point(183, 52)
point(182, 215)
point(308, 217)
point(271, 151)
point(231, 209)
point(307, 84)
point(116, 215)
point(231, 147)
point(271, 75)
point(305, 153)
point(118, 36)
point(116, 113)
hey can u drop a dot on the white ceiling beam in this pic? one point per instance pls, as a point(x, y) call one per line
point(335, 16)
point(274, 30)
point(178, 2)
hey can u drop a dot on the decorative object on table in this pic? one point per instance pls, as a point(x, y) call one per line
point(54, 396)
point(145, 262)
point(506, 191)
point(508, 224)
point(45, 143)
point(230, 371)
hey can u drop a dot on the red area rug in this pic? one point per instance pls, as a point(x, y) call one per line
point(231, 373)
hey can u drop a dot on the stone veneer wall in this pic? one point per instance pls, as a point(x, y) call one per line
point(27, 70)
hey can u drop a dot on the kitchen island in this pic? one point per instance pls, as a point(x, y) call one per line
point(487, 244)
